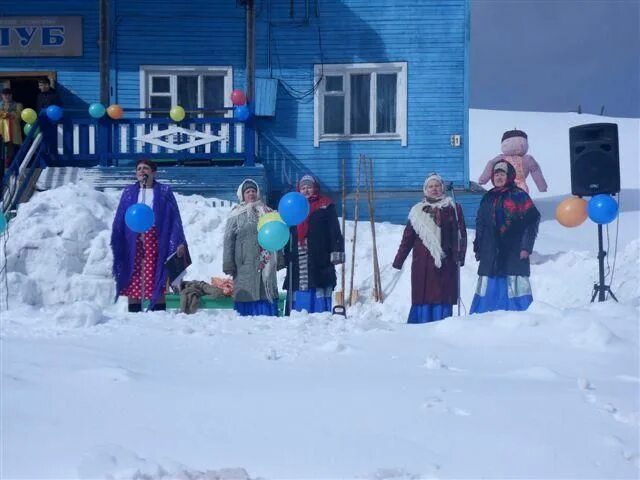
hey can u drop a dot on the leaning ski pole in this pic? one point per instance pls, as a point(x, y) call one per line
point(455, 211)
point(355, 233)
point(372, 215)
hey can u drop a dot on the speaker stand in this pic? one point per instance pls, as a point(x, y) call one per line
point(599, 289)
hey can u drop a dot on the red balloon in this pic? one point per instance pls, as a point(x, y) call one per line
point(238, 97)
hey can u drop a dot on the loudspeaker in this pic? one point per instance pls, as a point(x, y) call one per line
point(595, 161)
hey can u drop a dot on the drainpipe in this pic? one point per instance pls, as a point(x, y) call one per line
point(251, 82)
point(104, 52)
point(251, 50)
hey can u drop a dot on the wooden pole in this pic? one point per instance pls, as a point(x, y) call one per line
point(377, 285)
point(355, 232)
point(344, 216)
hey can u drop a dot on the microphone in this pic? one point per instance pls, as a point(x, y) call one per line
point(450, 186)
point(145, 178)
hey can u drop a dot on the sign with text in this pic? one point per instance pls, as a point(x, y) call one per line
point(41, 36)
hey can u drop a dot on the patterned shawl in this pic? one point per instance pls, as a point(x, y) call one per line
point(511, 205)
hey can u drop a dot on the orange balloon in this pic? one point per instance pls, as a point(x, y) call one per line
point(572, 212)
point(115, 111)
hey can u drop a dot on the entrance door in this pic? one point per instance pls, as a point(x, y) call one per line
point(25, 85)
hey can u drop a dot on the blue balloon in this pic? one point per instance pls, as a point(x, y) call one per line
point(139, 217)
point(241, 113)
point(293, 208)
point(273, 236)
point(54, 112)
point(97, 110)
point(602, 209)
point(3, 223)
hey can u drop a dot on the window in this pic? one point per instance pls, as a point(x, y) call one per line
point(189, 87)
point(361, 102)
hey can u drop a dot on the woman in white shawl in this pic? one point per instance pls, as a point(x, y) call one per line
point(255, 289)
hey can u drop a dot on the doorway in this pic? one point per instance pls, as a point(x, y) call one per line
point(25, 85)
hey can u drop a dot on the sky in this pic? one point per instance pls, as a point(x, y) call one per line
point(553, 55)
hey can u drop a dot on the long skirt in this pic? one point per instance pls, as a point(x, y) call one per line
point(502, 293)
point(148, 250)
point(429, 312)
point(314, 300)
point(259, 307)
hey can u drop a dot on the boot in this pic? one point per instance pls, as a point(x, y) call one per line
point(159, 307)
point(135, 307)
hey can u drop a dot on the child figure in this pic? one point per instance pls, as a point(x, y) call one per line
point(514, 150)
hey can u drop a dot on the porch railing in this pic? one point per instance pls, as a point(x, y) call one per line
point(77, 141)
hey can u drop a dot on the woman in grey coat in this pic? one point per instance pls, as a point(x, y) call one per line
point(255, 288)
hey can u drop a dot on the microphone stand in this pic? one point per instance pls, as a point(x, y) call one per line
point(455, 212)
point(145, 178)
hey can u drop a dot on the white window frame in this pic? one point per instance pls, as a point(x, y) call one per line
point(172, 71)
point(344, 70)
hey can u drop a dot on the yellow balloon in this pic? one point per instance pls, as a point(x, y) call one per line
point(29, 115)
point(269, 217)
point(177, 113)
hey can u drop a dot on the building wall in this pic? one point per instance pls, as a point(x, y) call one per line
point(432, 37)
point(193, 33)
point(77, 77)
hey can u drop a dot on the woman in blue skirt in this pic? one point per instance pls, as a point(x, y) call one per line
point(255, 288)
point(506, 229)
point(438, 237)
point(317, 246)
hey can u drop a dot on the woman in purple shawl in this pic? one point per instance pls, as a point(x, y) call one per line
point(163, 239)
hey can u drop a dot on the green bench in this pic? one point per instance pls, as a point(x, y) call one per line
point(225, 303)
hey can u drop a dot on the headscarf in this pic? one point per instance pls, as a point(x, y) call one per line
point(511, 205)
point(316, 202)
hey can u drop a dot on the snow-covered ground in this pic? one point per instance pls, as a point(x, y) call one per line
point(90, 391)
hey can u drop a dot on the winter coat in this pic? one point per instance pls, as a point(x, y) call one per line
point(242, 258)
point(123, 240)
point(514, 151)
point(325, 246)
point(499, 254)
point(48, 98)
point(431, 283)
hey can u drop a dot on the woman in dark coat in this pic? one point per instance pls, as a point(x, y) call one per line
point(506, 229)
point(318, 245)
point(432, 232)
point(138, 258)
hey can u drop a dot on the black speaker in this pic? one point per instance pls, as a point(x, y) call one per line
point(595, 161)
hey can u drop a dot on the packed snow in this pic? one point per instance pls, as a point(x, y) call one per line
point(90, 391)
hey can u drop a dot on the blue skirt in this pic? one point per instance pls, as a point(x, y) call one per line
point(260, 307)
point(502, 293)
point(429, 312)
point(314, 300)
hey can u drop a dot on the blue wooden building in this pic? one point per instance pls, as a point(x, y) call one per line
point(327, 80)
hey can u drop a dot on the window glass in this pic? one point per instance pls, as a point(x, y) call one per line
point(386, 103)
point(334, 115)
point(360, 103)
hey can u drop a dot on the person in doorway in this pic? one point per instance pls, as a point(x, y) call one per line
point(255, 286)
point(317, 245)
point(139, 259)
point(437, 234)
point(10, 129)
point(506, 229)
point(515, 145)
point(47, 96)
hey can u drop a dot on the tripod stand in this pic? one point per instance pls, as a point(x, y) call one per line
point(599, 289)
